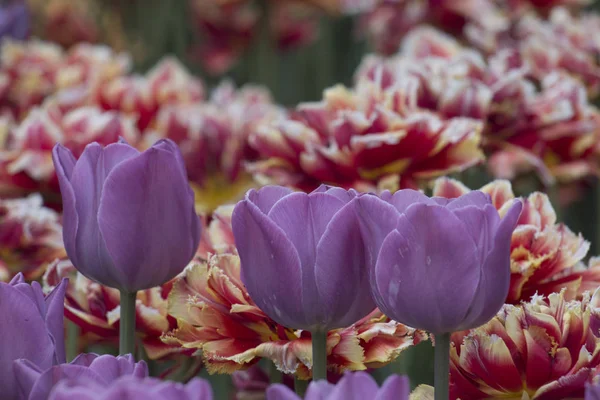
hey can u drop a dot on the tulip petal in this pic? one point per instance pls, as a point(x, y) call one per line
point(91, 257)
point(377, 219)
point(55, 311)
point(266, 256)
point(111, 368)
point(281, 392)
point(475, 198)
point(23, 335)
point(344, 195)
point(495, 272)
point(394, 387)
point(356, 385)
point(319, 390)
point(26, 374)
point(64, 163)
point(341, 274)
point(47, 380)
point(144, 218)
point(430, 242)
point(403, 199)
point(304, 218)
point(267, 196)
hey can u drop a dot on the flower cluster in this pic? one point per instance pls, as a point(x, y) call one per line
point(551, 129)
point(542, 349)
point(364, 137)
point(30, 237)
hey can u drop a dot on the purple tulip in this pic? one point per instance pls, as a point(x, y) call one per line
point(129, 219)
point(36, 383)
point(302, 256)
point(15, 20)
point(31, 327)
point(592, 392)
point(353, 386)
point(441, 265)
point(132, 388)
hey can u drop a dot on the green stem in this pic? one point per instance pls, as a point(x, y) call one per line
point(127, 323)
point(275, 375)
point(442, 366)
point(319, 355)
point(300, 387)
point(73, 333)
point(553, 194)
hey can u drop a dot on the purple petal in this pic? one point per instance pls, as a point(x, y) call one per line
point(395, 387)
point(84, 359)
point(303, 218)
point(481, 224)
point(341, 271)
point(55, 315)
point(64, 163)
point(91, 257)
point(68, 390)
point(26, 374)
point(281, 392)
point(319, 390)
point(46, 382)
point(442, 201)
point(475, 198)
point(18, 278)
point(403, 199)
point(376, 219)
point(344, 195)
point(146, 219)
point(267, 196)
point(23, 335)
point(270, 266)
point(111, 368)
point(198, 389)
point(355, 385)
point(495, 273)
point(430, 242)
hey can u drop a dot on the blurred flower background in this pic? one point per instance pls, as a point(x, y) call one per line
point(443, 96)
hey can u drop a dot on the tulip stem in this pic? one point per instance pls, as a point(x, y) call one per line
point(127, 323)
point(73, 333)
point(442, 366)
point(319, 355)
point(300, 386)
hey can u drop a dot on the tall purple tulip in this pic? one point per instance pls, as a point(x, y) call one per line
point(302, 258)
point(441, 265)
point(31, 327)
point(353, 386)
point(129, 219)
point(36, 383)
point(133, 388)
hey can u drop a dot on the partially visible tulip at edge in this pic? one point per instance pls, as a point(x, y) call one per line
point(129, 219)
point(353, 386)
point(31, 328)
point(35, 383)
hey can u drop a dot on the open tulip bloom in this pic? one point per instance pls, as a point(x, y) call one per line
point(441, 265)
point(129, 218)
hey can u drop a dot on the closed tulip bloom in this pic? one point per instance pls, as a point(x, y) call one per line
point(441, 265)
point(31, 328)
point(353, 386)
point(36, 383)
point(302, 256)
point(129, 219)
point(132, 388)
